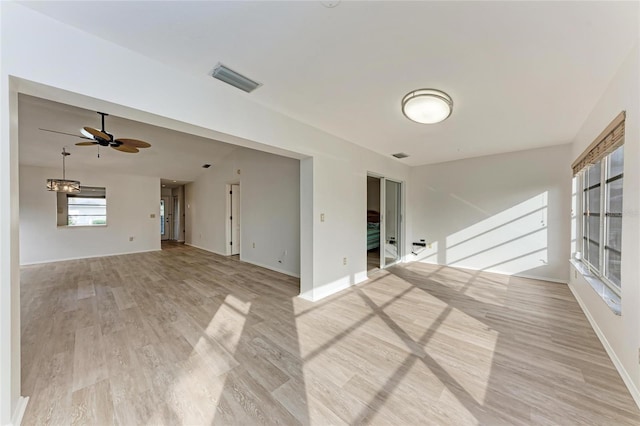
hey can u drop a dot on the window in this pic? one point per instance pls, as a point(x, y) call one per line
point(602, 217)
point(600, 173)
point(86, 208)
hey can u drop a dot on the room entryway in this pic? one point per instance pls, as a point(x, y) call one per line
point(384, 222)
point(172, 214)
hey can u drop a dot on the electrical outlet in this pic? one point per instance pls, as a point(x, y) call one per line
point(321, 217)
point(130, 238)
point(254, 245)
point(152, 216)
point(429, 245)
point(344, 260)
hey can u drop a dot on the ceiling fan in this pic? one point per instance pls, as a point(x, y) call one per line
point(103, 138)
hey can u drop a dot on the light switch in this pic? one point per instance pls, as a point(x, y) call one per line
point(152, 216)
point(321, 217)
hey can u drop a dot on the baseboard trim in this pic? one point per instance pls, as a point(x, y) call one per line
point(282, 271)
point(536, 277)
point(533, 277)
point(18, 414)
point(40, 262)
point(626, 378)
point(271, 268)
point(205, 249)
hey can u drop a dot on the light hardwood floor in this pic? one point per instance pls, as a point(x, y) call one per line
point(182, 336)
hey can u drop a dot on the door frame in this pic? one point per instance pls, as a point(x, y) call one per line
point(229, 222)
point(383, 222)
point(168, 200)
point(383, 226)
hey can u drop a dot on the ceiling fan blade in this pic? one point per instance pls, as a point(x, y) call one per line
point(64, 133)
point(97, 133)
point(125, 148)
point(86, 143)
point(134, 142)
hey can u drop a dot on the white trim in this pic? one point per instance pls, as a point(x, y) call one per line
point(492, 271)
point(539, 278)
point(18, 414)
point(206, 249)
point(332, 288)
point(626, 378)
point(307, 296)
point(291, 274)
point(282, 271)
point(39, 262)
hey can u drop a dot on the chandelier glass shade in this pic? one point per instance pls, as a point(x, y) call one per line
point(427, 106)
point(64, 184)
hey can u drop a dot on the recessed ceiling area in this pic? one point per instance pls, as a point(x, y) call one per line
point(173, 155)
point(522, 75)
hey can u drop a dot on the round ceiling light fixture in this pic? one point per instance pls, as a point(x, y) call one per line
point(427, 106)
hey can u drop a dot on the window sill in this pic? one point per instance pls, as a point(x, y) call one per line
point(612, 300)
point(81, 226)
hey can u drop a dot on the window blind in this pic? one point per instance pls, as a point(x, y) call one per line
point(89, 192)
point(611, 138)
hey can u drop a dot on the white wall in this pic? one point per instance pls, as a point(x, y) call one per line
point(269, 209)
point(130, 202)
point(505, 213)
point(620, 334)
point(152, 92)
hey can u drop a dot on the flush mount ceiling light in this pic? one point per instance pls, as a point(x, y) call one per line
point(63, 185)
point(427, 106)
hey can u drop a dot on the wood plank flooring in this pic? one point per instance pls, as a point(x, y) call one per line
point(185, 337)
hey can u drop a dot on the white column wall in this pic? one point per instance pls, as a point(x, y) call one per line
point(131, 200)
point(269, 208)
point(149, 91)
point(620, 335)
point(505, 213)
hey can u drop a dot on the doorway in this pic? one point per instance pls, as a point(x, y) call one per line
point(392, 240)
point(373, 223)
point(384, 222)
point(166, 224)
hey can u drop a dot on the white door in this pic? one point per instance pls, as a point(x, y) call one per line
point(165, 218)
point(176, 220)
point(234, 203)
point(392, 208)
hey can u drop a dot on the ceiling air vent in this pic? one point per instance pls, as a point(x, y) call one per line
point(231, 77)
point(400, 155)
point(206, 166)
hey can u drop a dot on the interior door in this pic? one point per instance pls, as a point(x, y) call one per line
point(165, 218)
point(391, 234)
point(176, 219)
point(235, 218)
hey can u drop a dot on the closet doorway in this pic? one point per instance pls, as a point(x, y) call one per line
point(384, 222)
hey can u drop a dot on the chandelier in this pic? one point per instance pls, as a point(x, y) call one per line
point(63, 185)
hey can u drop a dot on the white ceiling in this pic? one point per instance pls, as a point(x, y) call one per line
point(173, 155)
point(521, 74)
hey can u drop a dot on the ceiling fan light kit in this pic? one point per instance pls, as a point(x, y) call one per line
point(106, 139)
point(64, 184)
point(427, 106)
